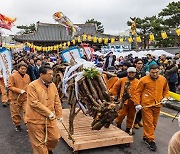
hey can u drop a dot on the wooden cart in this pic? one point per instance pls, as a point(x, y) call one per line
point(86, 138)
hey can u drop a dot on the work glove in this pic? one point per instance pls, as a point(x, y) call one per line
point(52, 116)
point(179, 120)
point(60, 120)
point(164, 101)
point(23, 91)
point(138, 108)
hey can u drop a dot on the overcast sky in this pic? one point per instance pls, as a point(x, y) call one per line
point(113, 14)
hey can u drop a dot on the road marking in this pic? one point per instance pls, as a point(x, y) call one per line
point(169, 115)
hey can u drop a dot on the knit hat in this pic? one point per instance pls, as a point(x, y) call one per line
point(131, 69)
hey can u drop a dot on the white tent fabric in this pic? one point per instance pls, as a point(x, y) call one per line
point(139, 54)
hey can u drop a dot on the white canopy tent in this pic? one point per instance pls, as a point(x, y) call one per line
point(138, 54)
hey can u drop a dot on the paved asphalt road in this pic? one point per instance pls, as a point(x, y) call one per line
point(12, 142)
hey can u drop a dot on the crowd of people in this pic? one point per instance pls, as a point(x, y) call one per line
point(141, 84)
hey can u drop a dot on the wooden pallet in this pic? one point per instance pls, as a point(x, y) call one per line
point(85, 138)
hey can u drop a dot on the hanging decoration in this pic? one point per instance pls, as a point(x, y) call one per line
point(138, 39)
point(94, 39)
point(151, 37)
point(6, 22)
point(100, 40)
point(63, 20)
point(84, 37)
point(130, 40)
point(178, 31)
point(133, 27)
point(112, 40)
point(106, 40)
point(89, 38)
point(121, 40)
point(163, 35)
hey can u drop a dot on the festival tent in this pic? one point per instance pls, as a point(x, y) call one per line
point(138, 54)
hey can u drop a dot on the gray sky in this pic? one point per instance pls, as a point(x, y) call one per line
point(113, 14)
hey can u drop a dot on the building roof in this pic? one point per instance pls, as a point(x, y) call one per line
point(55, 33)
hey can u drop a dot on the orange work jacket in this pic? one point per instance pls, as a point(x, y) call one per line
point(151, 92)
point(16, 83)
point(41, 101)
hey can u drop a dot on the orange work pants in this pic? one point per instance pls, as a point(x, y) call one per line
point(37, 135)
point(16, 107)
point(150, 117)
point(4, 97)
point(129, 111)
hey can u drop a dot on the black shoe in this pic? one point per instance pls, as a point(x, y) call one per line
point(4, 104)
point(128, 131)
point(50, 152)
point(18, 128)
point(145, 140)
point(152, 145)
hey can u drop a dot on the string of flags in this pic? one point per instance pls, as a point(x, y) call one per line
point(89, 38)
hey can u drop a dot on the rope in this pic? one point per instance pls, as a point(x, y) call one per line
point(45, 140)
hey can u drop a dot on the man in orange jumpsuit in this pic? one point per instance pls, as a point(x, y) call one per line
point(128, 108)
point(17, 85)
point(42, 112)
point(110, 80)
point(4, 96)
point(151, 91)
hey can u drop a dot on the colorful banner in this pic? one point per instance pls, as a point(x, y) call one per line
point(6, 64)
point(71, 53)
point(6, 22)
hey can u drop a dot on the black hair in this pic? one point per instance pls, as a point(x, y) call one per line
point(22, 64)
point(136, 60)
point(43, 69)
point(37, 60)
point(153, 67)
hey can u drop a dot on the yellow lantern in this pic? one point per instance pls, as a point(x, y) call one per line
point(95, 39)
point(112, 40)
point(121, 40)
point(84, 37)
point(60, 46)
point(163, 35)
point(138, 39)
point(105, 40)
point(151, 37)
point(178, 31)
point(130, 40)
point(89, 38)
point(100, 40)
point(74, 42)
point(44, 48)
point(64, 45)
point(55, 47)
point(68, 43)
point(79, 39)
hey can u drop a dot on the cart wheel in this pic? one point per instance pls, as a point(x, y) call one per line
point(75, 152)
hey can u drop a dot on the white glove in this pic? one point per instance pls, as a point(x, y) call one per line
point(52, 116)
point(164, 101)
point(179, 120)
point(60, 120)
point(138, 108)
point(23, 91)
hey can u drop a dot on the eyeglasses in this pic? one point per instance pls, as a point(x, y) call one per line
point(139, 63)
